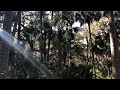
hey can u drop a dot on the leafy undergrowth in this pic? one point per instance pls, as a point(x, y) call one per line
point(77, 72)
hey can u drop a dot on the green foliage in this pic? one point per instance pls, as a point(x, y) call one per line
point(108, 63)
point(80, 72)
point(101, 44)
point(98, 74)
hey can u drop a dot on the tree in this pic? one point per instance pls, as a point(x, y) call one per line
point(49, 35)
point(114, 48)
point(4, 48)
point(41, 36)
point(15, 24)
point(19, 25)
point(91, 43)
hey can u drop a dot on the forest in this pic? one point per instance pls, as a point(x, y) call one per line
point(59, 45)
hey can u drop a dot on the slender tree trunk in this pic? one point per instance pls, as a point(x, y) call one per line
point(114, 48)
point(59, 47)
point(19, 25)
point(64, 52)
point(44, 44)
point(18, 39)
point(87, 59)
point(4, 47)
point(70, 55)
point(49, 38)
point(41, 36)
point(91, 44)
point(44, 47)
point(91, 49)
point(15, 24)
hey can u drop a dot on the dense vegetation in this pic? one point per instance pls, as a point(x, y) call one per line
point(49, 45)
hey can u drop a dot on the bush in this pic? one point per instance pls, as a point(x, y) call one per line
point(80, 72)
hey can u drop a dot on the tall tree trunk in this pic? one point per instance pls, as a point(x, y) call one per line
point(114, 48)
point(59, 48)
point(70, 55)
point(91, 48)
point(41, 36)
point(44, 46)
point(91, 44)
point(87, 59)
point(44, 43)
point(18, 40)
point(15, 60)
point(64, 53)
point(4, 47)
point(19, 25)
point(49, 37)
point(15, 24)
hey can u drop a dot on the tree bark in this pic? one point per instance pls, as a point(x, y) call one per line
point(4, 47)
point(91, 49)
point(49, 37)
point(41, 37)
point(44, 46)
point(18, 39)
point(87, 59)
point(19, 25)
point(91, 44)
point(15, 24)
point(59, 48)
point(114, 48)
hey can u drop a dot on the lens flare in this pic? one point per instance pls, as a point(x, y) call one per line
point(10, 40)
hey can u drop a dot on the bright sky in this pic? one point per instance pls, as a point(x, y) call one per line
point(76, 24)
